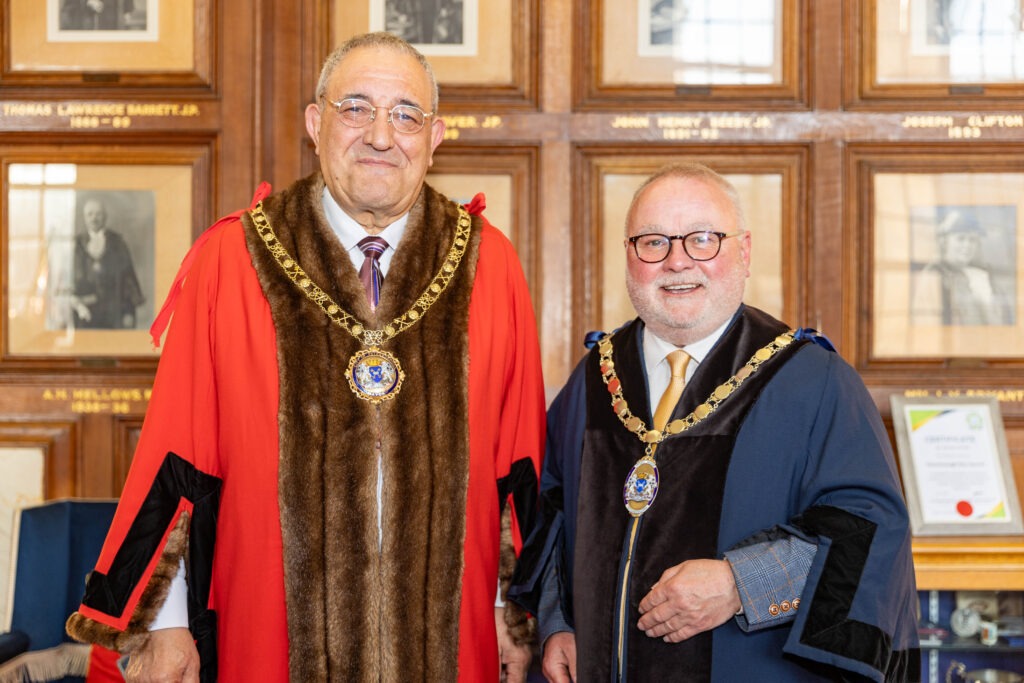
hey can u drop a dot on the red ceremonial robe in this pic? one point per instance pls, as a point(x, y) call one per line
point(213, 427)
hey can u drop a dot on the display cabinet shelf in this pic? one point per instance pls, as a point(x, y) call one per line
point(969, 563)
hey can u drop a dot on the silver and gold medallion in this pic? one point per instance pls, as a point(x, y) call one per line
point(641, 486)
point(374, 375)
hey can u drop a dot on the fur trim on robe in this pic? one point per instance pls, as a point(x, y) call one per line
point(86, 630)
point(363, 607)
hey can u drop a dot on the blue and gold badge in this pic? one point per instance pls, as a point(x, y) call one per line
point(641, 486)
point(375, 375)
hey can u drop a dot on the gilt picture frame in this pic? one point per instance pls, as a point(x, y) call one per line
point(657, 52)
point(47, 44)
point(59, 306)
point(945, 258)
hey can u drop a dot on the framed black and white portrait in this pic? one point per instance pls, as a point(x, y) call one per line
point(100, 259)
point(102, 20)
point(435, 27)
point(132, 42)
point(944, 263)
point(91, 250)
point(963, 264)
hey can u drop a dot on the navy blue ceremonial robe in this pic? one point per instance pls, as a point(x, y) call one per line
point(798, 451)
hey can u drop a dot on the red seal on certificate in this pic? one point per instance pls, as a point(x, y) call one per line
point(964, 508)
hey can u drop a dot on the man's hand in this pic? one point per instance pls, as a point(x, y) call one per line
point(689, 598)
point(168, 656)
point(559, 664)
point(515, 659)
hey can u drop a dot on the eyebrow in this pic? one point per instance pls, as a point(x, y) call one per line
point(662, 230)
point(366, 98)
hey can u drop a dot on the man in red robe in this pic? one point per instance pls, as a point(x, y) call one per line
point(331, 474)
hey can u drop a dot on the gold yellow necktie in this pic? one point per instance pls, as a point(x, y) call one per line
point(677, 361)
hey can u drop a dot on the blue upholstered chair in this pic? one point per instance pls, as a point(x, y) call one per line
point(54, 546)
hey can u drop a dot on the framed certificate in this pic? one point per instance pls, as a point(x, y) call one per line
point(956, 466)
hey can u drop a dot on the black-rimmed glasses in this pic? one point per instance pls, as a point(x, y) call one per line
point(405, 118)
point(701, 245)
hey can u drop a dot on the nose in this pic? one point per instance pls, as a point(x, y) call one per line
point(379, 134)
point(677, 258)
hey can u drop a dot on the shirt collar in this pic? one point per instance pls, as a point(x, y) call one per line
point(350, 232)
point(655, 348)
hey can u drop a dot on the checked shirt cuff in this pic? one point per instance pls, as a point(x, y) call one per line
point(770, 578)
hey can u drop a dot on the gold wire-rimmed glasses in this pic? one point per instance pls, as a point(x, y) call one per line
point(357, 113)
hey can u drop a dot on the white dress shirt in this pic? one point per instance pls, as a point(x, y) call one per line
point(350, 232)
point(656, 350)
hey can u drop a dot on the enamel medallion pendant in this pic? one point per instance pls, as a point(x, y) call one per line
point(641, 486)
point(375, 375)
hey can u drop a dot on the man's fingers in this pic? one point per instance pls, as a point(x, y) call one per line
point(559, 662)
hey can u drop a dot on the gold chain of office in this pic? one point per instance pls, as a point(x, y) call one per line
point(653, 437)
point(346, 321)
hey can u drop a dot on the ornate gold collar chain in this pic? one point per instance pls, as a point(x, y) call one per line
point(373, 374)
point(643, 480)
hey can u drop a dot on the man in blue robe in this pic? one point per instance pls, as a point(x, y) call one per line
point(750, 528)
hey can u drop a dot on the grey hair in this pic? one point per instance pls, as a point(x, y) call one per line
point(378, 39)
point(691, 170)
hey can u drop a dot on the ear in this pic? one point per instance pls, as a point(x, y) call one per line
point(313, 124)
point(745, 249)
point(437, 128)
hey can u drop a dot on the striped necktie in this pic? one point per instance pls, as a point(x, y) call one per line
point(677, 361)
point(372, 247)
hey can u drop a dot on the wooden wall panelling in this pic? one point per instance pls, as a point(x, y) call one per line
point(296, 50)
point(823, 290)
point(98, 410)
point(558, 34)
point(205, 117)
point(557, 263)
point(126, 430)
point(519, 164)
point(243, 94)
point(59, 440)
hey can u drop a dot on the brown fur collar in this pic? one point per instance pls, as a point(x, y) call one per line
point(354, 613)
